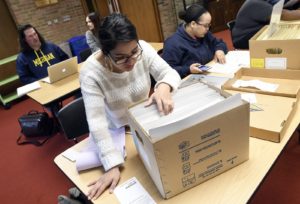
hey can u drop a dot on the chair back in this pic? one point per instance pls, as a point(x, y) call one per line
point(72, 119)
point(85, 54)
point(231, 24)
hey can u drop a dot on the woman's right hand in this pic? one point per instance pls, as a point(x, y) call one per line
point(108, 179)
point(194, 68)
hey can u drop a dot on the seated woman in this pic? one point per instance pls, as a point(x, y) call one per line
point(92, 22)
point(113, 79)
point(193, 44)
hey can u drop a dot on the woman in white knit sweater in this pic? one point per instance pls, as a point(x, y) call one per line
point(114, 78)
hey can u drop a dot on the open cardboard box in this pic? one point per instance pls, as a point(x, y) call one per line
point(274, 54)
point(288, 81)
point(179, 161)
point(270, 116)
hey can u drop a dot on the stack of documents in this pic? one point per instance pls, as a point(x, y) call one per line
point(192, 104)
point(283, 32)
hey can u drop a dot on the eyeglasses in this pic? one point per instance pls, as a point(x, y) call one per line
point(204, 25)
point(123, 60)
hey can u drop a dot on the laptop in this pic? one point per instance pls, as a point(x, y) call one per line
point(61, 70)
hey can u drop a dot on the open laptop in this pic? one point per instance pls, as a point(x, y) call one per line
point(61, 70)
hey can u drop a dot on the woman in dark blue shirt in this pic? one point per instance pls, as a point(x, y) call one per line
point(193, 44)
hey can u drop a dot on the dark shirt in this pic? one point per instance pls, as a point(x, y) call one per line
point(252, 16)
point(32, 65)
point(181, 50)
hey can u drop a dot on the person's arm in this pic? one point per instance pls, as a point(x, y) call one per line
point(289, 15)
point(109, 156)
point(219, 47)
point(90, 40)
point(159, 68)
point(167, 79)
point(23, 71)
point(217, 44)
point(173, 55)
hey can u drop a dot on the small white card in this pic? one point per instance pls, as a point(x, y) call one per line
point(275, 63)
point(132, 192)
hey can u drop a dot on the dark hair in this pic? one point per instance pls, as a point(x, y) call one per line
point(94, 17)
point(192, 13)
point(115, 28)
point(24, 47)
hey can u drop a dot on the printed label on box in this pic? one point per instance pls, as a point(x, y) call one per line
point(275, 63)
point(257, 62)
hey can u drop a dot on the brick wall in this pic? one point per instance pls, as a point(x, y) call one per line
point(167, 17)
point(168, 10)
point(57, 23)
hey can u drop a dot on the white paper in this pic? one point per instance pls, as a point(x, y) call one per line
point(197, 117)
point(70, 154)
point(187, 101)
point(132, 192)
point(275, 62)
point(192, 104)
point(250, 97)
point(87, 160)
point(264, 86)
point(234, 61)
point(216, 81)
point(89, 157)
point(46, 79)
point(27, 88)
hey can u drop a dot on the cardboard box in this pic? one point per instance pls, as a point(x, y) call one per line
point(274, 54)
point(288, 81)
point(190, 156)
point(270, 116)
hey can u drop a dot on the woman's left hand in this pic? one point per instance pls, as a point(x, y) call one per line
point(163, 99)
point(220, 57)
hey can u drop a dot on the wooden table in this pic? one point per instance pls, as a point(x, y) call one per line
point(59, 90)
point(157, 45)
point(64, 88)
point(234, 186)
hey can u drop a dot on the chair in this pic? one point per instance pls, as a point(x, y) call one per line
point(84, 54)
point(230, 26)
point(72, 119)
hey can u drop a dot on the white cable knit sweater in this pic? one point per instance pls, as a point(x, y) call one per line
point(107, 95)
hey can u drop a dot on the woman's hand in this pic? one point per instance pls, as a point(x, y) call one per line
point(220, 57)
point(194, 68)
point(109, 179)
point(163, 99)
